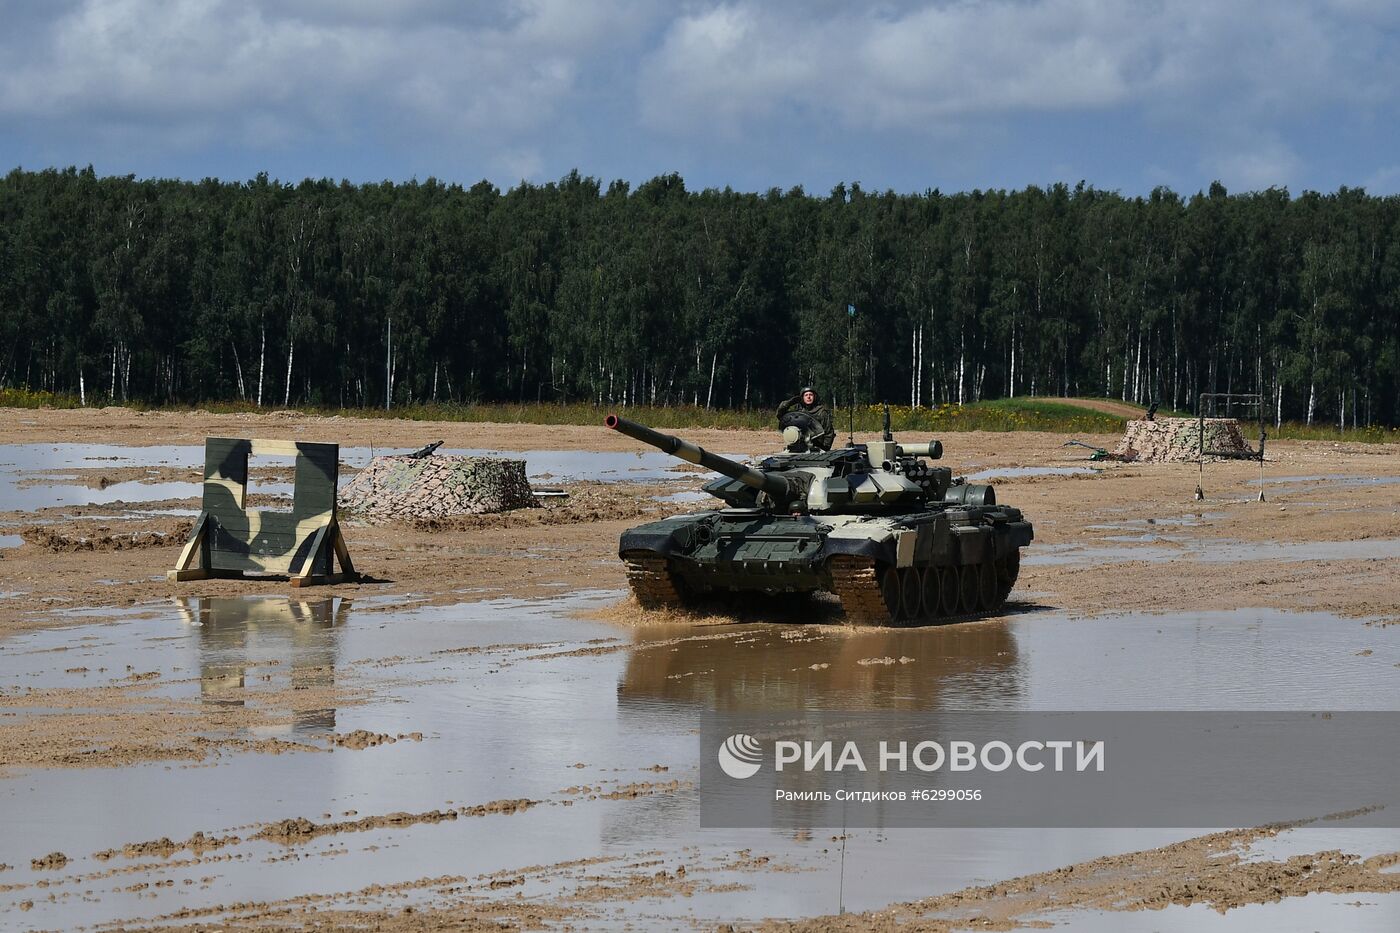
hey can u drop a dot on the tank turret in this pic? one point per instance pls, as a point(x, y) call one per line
point(877, 477)
point(896, 538)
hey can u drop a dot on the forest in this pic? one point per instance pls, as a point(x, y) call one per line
point(330, 294)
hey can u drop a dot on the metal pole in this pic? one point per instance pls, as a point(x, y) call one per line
point(1200, 446)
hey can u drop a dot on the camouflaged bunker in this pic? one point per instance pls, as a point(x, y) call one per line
point(897, 539)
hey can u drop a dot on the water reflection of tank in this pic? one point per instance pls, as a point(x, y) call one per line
point(754, 668)
point(290, 642)
point(765, 668)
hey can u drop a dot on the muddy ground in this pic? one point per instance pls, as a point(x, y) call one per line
point(1113, 539)
point(574, 542)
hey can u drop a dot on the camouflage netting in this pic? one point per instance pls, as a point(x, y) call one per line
point(1180, 439)
point(393, 488)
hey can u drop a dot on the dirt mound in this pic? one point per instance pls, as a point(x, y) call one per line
point(1180, 439)
point(397, 488)
point(51, 862)
point(300, 829)
point(101, 538)
point(362, 738)
point(165, 847)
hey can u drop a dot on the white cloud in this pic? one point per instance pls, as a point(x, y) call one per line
point(520, 164)
point(922, 68)
point(449, 69)
point(787, 90)
point(1384, 181)
point(1254, 165)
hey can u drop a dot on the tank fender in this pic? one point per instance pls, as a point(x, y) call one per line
point(975, 543)
point(904, 545)
point(934, 544)
point(669, 536)
point(881, 549)
point(1014, 535)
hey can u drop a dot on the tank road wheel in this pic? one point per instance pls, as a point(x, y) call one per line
point(653, 583)
point(967, 588)
point(988, 590)
point(911, 594)
point(890, 590)
point(1008, 568)
point(856, 583)
point(948, 591)
point(930, 579)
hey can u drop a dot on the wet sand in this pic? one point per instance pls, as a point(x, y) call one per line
point(488, 732)
point(1141, 519)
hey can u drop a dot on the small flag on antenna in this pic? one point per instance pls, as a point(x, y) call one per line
point(851, 310)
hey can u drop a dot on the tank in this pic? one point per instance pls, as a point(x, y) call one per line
point(897, 539)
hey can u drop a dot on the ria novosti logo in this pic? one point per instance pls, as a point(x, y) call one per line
point(740, 756)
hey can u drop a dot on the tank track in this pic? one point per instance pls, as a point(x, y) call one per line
point(652, 583)
point(856, 582)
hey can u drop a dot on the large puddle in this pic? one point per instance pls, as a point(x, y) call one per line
point(526, 699)
point(21, 464)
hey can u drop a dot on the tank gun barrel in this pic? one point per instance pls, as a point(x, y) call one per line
point(776, 486)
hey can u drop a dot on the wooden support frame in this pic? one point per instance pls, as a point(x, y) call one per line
point(195, 562)
point(327, 549)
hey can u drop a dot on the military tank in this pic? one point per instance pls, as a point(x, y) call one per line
point(895, 538)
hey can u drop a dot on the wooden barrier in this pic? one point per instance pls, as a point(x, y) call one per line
point(230, 539)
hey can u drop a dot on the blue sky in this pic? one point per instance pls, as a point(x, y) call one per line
point(751, 93)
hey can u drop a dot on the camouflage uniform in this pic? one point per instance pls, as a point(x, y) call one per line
point(818, 412)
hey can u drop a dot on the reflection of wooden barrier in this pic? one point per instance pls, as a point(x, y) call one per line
point(292, 641)
point(229, 539)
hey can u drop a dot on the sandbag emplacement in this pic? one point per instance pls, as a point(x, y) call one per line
point(399, 487)
point(1168, 439)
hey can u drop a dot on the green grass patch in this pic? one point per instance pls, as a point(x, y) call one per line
point(26, 398)
point(984, 416)
point(1018, 414)
point(1296, 431)
point(1040, 414)
point(1046, 407)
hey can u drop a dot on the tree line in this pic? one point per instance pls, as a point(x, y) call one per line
point(318, 293)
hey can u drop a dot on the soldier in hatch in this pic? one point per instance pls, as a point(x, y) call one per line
point(818, 434)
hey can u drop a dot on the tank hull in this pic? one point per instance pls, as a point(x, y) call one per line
point(924, 565)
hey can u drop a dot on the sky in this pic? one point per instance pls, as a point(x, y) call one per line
point(748, 94)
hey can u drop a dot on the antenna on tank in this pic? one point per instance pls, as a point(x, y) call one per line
point(851, 370)
point(888, 435)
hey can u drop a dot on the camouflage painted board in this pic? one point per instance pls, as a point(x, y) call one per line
point(229, 538)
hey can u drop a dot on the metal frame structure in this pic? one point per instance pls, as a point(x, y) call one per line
point(1246, 400)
